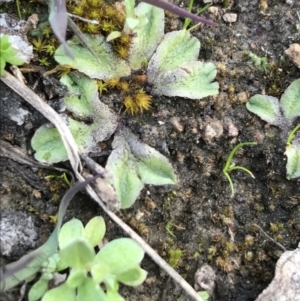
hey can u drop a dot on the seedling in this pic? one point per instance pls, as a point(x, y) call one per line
point(282, 114)
point(230, 166)
point(117, 261)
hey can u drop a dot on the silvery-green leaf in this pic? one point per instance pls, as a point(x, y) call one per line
point(78, 254)
point(266, 107)
point(84, 95)
point(133, 164)
point(120, 255)
point(94, 230)
point(192, 80)
point(70, 230)
point(48, 144)
point(147, 37)
point(293, 161)
point(88, 105)
point(110, 64)
point(290, 100)
point(176, 48)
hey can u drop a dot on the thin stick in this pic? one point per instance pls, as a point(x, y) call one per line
point(269, 237)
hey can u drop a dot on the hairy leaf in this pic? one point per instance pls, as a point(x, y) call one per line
point(69, 231)
point(90, 291)
point(110, 64)
point(133, 164)
point(293, 161)
point(38, 290)
point(290, 100)
point(133, 277)
point(78, 254)
point(62, 292)
point(94, 231)
point(147, 37)
point(266, 107)
point(120, 255)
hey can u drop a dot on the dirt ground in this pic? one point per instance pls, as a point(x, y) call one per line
point(206, 225)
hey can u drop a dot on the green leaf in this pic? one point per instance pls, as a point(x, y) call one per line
point(290, 100)
point(7, 54)
point(62, 292)
point(48, 144)
point(85, 96)
point(133, 277)
point(204, 295)
point(110, 64)
point(94, 230)
point(192, 80)
point(79, 254)
point(174, 70)
point(133, 164)
point(266, 107)
point(293, 161)
point(177, 48)
point(99, 271)
point(38, 290)
point(71, 230)
point(90, 291)
point(120, 255)
point(147, 37)
point(76, 278)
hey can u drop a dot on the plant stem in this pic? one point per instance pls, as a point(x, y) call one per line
point(18, 9)
point(292, 134)
point(187, 21)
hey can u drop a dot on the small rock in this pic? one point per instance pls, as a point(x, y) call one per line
point(177, 124)
point(205, 279)
point(213, 10)
point(242, 97)
point(17, 233)
point(213, 129)
point(285, 284)
point(232, 130)
point(230, 18)
point(293, 52)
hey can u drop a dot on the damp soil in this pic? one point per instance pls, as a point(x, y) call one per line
point(197, 217)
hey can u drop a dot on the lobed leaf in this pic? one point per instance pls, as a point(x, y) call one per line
point(266, 107)
point(290, 100)
point(192, 80)
point(147, 37)
point(133, 164)
point(110, 64)
point(177, 48)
